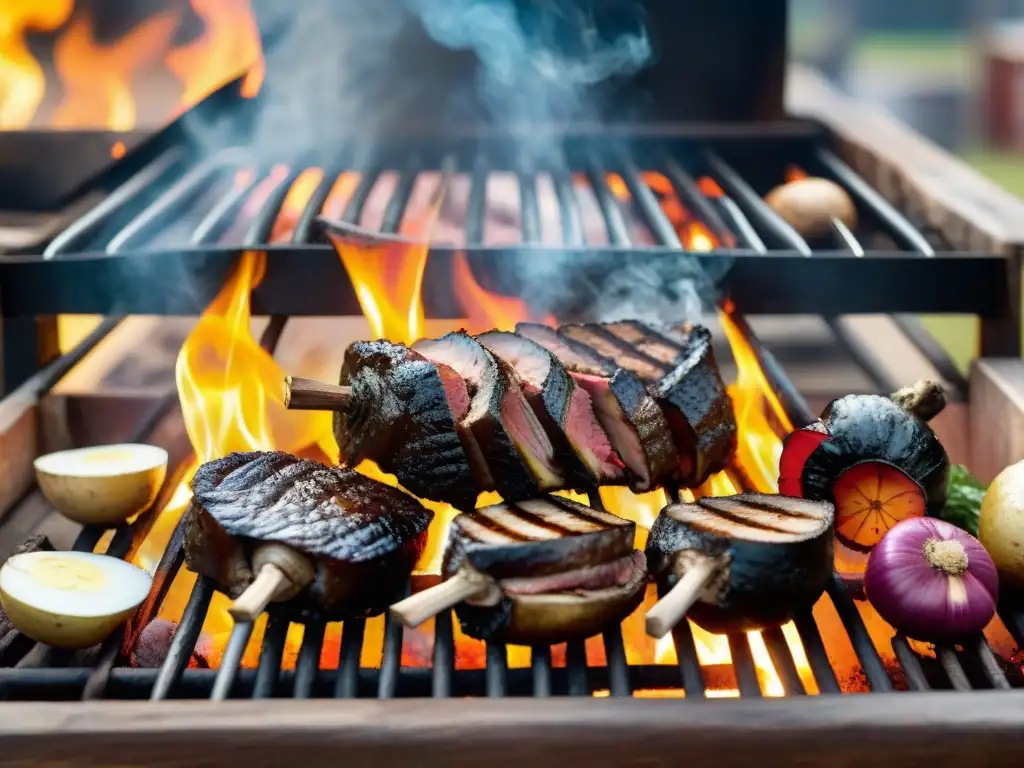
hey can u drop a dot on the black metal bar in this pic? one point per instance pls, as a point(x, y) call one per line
point(184, 640)
point(174, 201)
point(614, 221)
point(304, 228)
point(845, 238)
point(270, 657)
point(497, 670)
point(910, 664)
point(902, 231)
point(443, 662)
point(618, 666)
point(356, 203)
point(989, 663)
point(650, 209)
point(569, 208)
point(231, 660)
point(688, 191)
point(865, 649)
point(862, 356)
point(346, 683)
point(576, 668)
point(817, 656)
point(308, 663)
point(757, 209)
point(946, 655)
point(689, 664)
point(743, 664)
point(213, 226)
point(262, 223)
point(933, 351)
point(746, 235)
point(88, 538)
point(529, 210)
point(476, 206)
point(391, 658)
point(540, 664)
point(395, 209)
point(75, 237)
point(782, 660)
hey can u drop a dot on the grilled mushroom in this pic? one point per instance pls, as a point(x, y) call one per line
point(326, 541)
point(739, 563)
point(538, 571)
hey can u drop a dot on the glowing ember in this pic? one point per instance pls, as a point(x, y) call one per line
point(93, 85)
point(709, 187)
point(795, 173)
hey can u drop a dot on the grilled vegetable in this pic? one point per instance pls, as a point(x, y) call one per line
point(13, 643)
point(932, 580)
point(681, 373)
point(635, 425)
point(330, 541)
point(538, 571)
point(516, 449)
point(873, 457)
point(739, 563)
point(809, 205)
point(402, 413)
point(1001, 523)
point(565, 410)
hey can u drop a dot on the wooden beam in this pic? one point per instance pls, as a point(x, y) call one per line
point(996, 415)
point(19, 435)
point(903, 729)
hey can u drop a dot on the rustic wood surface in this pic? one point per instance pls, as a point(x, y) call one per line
point(936, 730)
point(19, 419)
point(997, 415)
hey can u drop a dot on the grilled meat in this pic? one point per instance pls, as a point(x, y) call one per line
point(564, 570)
point(680, 371)
point(774, 556)
point(517, 450)
point(565, 410)
point(404, 415)
point(363, 537)
point(636, 427)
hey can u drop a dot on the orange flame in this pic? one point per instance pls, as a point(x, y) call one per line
point(795, 173)
point(94, 84)
point(484, 309)
point(709, 187)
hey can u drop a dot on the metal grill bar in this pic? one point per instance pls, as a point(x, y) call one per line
point(443, 661)
point(540, 664)
point(817, 656)
point(782, 660)
point(270, 657)
point(743, 665)
point(576, 668)
point(497, 670)
point(309, 658)
point(910, 664)
point(185, 637)
point(346, 684)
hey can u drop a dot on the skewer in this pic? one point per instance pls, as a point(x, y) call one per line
point(671, 609)
point(311, 395)
point(281, 573)
point(464, 585)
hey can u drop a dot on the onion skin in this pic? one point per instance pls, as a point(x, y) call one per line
point(910, 580)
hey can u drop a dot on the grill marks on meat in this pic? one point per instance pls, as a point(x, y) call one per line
point(564, 410)
point(517, 450)
point(635, 425)
point(404, 415)
point(363, 536)
point(681, 373)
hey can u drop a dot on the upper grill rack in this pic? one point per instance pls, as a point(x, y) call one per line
point(971, 665)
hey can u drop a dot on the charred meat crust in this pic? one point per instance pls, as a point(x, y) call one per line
point(495, 382)
point(767, 583)
point(400, 418)
point(516, 554)
point(363, 536)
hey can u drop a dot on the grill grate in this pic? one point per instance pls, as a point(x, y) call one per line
point(739, 215)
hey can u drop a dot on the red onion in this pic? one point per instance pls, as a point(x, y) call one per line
point(931, 580)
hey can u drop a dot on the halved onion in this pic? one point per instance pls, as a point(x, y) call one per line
point(70, 599)
point(103, 485)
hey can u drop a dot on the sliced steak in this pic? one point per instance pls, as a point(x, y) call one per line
point(401, 417)
point(636, 427)
point(565, 410)
point(680, 371)
point(514, 445)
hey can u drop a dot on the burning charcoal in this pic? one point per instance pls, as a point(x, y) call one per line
point(739, 563)
point(324, 541)
point(564, 409)
point(635, 425)
point(396, 392)
point(539, 571)
point(155, 641)
point(517, 451)
point(681, 373)
point(13, 644)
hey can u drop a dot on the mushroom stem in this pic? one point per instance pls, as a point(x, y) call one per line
point(671, 609)
point(925, 399)
point(464, 585)
point(281, 573)
point(310, 395)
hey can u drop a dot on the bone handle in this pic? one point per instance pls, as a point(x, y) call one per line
point(671, 609)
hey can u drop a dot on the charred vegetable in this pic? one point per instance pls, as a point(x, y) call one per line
point(1001, 523)
point(739, 563)
point(326, 541)
point(875, 458)
point(538, 571)
point(932, 580)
